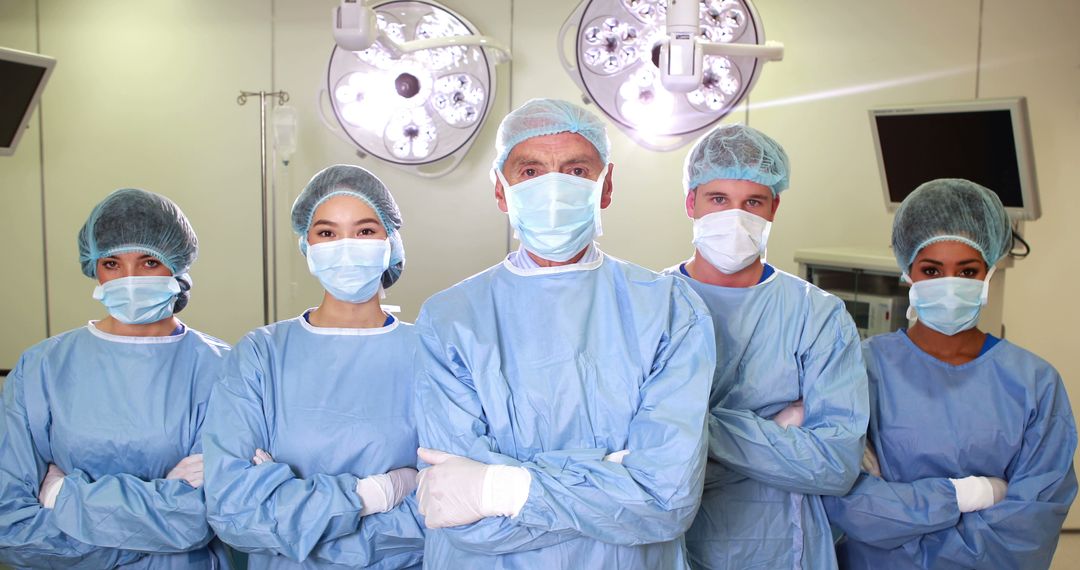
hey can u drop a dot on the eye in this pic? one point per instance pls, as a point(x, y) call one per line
point(718, 199)
point(152, 263)
point(753, 203)
point(109, 264)
point(325, 234)
point(930, 271)
point(970, 273)
point(529, 172)
point(367, 232)
point(579, 171)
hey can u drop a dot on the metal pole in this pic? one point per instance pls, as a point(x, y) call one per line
point(264, 201)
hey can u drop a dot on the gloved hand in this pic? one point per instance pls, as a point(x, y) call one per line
point(456, 490)
point(791, 416)
point(50, 486)
point(869, 460)
point(380, 493)
point(261, 457)
point(977, 493)
point(189, 469)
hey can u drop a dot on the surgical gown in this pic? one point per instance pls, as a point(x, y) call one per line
point(1004, 414)
point(551, 369)
point(115, 413)
point(330, 405)
point(777, 342)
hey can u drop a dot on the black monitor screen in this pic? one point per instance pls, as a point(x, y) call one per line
point(978, 146)
point(18, 83)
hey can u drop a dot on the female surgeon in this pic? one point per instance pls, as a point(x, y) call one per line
point(974, 436)
point(101, 464)
point(310, 439)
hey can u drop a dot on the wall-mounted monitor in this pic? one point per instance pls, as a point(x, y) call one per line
point(22, 79)
point(987, 141)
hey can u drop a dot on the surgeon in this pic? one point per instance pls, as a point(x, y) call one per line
point(310, 438)
point(970, 463)
point(102, 466)
point(561, 396)
point(789, 402)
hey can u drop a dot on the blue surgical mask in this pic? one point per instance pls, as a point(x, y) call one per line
point(555, 215)
point(949, 305)
point(350, 269)
point(139, 300)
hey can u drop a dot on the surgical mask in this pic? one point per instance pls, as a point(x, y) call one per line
point(139, 300)
point(555, 215)
point(350, 269)
point(732, 239)
point(949, 305)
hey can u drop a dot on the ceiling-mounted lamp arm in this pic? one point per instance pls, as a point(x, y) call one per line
point(769, 51)
point(499, 49)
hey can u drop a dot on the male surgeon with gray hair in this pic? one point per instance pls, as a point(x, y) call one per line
point(562, 397)
point(789, 405)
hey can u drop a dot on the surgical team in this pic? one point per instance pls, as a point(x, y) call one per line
point(561, 409)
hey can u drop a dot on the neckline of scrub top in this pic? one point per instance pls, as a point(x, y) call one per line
point(767, 272)
point(390, 324)
point(983, 351)
point(173, 337)
point(585, 266)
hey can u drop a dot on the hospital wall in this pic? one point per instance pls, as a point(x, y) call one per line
point(144, 95)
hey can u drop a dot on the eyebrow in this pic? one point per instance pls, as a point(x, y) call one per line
point(964, 262)
point(761, 197)
point(359, 222)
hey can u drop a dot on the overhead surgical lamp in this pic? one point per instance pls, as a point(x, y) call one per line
point(410, 82)
point(666, 70)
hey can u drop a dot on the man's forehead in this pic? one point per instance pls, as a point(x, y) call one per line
point(558, 147)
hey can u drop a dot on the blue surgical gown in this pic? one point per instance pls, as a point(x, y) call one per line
point(1004, 414)
point(776, 342)
point(330, 405)
point(551, 369)
point(114, 413)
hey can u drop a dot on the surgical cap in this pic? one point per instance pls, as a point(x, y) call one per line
point(540, 117)
point(136, 220)
point(737, 152)
point(951, 209)
point(348, 180)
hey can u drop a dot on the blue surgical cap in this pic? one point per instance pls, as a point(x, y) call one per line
point(132, 220)
point(539, 117)
point(348, 180)
point(951, 209)
point(737, 152)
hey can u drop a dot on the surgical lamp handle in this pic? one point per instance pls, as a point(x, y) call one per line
point(769, 51)
point(501, 50)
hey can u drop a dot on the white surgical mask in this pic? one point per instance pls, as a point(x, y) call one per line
point(949, 305)
point(732, 239)
point(139, 300)
point(350, 269)
point(555, 215)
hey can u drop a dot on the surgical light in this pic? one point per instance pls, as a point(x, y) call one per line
point(664, 71)
point(410, 82)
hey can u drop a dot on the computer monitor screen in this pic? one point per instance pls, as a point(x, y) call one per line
point(985, 141)
point(23, 76)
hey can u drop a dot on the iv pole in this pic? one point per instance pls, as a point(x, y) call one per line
point(282, 98)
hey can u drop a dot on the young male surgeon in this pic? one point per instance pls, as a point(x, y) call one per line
point(563, 393)
point(789, 405)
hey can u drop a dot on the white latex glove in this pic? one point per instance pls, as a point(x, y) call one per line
point(456, 490)
point(50, 486)
point(791, 416)
point(189, 469)
point(977, 493)
point(383, 492)
point(261, 457)
point(617, 456)
point(869, 460)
